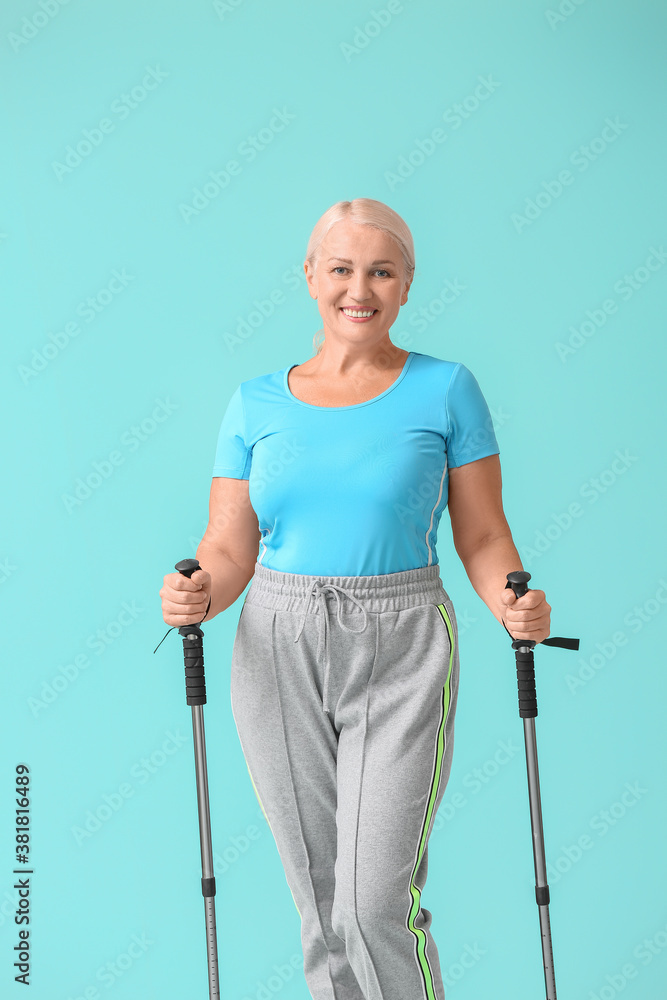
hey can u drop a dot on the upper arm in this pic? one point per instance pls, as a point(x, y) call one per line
point(233, 527)
point(475, 504)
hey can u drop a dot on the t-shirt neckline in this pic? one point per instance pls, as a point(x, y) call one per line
point(351, 406)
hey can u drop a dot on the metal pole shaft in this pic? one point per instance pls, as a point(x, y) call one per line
point(541, 884)
point(206, 848)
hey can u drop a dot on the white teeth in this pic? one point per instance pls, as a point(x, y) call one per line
point(359, 312)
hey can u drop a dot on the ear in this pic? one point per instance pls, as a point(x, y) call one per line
point(311, 278)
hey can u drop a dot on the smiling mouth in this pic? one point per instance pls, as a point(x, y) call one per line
point(358, 313)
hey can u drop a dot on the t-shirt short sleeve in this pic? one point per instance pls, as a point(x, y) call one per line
point(471, 434)
point(232, 456)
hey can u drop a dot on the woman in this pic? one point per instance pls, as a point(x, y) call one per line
point(328, 485)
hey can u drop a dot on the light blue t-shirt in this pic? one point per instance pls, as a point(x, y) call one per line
point(354, 490)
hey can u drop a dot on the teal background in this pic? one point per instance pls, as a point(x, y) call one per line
point(170, 334)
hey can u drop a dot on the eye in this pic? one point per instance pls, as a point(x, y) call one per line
point(378, 270)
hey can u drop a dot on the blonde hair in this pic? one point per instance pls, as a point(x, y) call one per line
point(367, 212)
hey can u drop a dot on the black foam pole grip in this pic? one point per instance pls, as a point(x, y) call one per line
point(193, 647)
point(525, 663)
point(525, 675)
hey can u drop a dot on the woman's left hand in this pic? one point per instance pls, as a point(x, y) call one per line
point(527, 617)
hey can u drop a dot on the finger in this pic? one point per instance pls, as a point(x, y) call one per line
point(507, 596)
point(178, 599)
point(531, 599)
point(179, 582)
point(174, 619)
point(187, 610)
point(531, 615)
point(530, 607)
point(537, 634)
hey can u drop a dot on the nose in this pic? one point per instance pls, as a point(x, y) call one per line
point(359, 287)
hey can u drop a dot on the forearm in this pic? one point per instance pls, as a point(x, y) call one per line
point(228, 580)
point(487, 567)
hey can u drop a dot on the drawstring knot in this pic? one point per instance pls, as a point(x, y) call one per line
point(319, 593)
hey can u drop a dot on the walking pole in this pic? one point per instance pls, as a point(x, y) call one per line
point(195, 689)
point(525, 671)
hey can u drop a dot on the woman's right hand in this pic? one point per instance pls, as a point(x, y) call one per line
point(185, 599)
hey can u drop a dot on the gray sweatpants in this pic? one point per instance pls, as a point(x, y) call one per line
point(346, 722)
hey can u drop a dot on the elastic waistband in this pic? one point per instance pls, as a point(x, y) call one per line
point(408, 588)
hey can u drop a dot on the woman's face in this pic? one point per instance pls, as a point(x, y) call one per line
point(360, 267)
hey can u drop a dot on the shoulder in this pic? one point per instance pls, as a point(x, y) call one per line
point(454, 374)
point(437, 371)
point(252, 387)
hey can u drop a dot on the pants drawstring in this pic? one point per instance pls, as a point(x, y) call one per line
point(319, 593)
